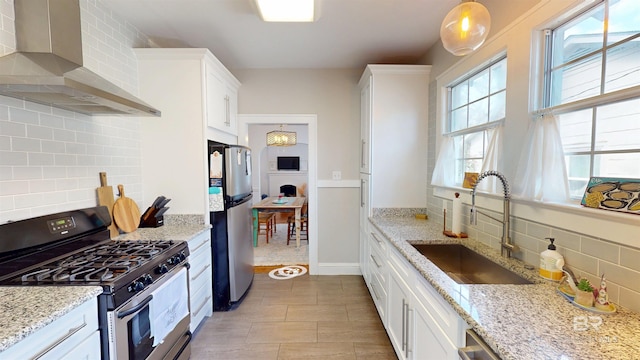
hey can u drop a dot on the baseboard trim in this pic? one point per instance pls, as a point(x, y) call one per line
point(339, 269)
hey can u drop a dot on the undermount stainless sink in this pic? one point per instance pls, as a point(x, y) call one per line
point(465, 266)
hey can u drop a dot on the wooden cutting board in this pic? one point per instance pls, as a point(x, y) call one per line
point(126, 213)
point(105, 198)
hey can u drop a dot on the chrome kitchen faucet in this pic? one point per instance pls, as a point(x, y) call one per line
point(506, 247)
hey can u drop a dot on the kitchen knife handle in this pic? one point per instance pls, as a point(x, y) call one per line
point(103, 178)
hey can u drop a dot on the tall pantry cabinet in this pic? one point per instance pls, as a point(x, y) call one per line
point(393, 154)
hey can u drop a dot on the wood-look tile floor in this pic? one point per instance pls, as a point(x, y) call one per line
point(307, 317)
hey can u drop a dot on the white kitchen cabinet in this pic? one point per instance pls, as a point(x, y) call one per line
point(394, 115)
point(200, 277)
point(222, 97)
point(75, 335)
point(419, 322)
point(365, 123)
point(365, 212)
point(194, 93)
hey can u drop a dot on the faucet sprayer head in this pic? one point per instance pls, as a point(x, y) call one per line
point(473, 216)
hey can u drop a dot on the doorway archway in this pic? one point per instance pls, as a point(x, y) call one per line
point(244, 120)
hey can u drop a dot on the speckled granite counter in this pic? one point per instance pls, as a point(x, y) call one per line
point(519, 322)
point(24, 310)
point(166, 232)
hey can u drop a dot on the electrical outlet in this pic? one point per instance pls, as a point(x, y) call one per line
point(337, 175)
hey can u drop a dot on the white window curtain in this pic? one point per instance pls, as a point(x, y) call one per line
point(444, 171)
point(491, 159)
point(542, 173)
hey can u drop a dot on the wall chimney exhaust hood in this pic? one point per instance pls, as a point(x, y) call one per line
point(47, 65)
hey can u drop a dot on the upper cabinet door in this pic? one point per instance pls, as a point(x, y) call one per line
point(365, 126)
point(222, 101)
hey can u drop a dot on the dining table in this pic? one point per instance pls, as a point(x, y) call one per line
point(277, 203)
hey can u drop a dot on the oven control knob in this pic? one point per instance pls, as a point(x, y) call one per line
point(161, 269)
point(182, 256)
point(136, 286)
point(147, 279)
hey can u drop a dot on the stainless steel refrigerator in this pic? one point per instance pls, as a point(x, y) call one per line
point(231, 218)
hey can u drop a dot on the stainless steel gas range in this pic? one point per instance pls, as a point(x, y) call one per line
point(141, 280)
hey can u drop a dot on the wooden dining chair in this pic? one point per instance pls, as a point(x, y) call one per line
point(304, 225)
point(266, 222)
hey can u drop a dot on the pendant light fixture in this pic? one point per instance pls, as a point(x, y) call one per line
point(465, 28)
point(281, 138)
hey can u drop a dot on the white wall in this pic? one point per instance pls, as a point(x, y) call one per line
point(334, 96)
point(593, 242)
point(50, 158)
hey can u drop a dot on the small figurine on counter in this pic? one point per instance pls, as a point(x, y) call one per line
point(602, 299)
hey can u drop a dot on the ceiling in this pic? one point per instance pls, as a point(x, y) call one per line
point(347, 34)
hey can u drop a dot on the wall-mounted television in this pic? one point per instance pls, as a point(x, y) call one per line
point(289, 163)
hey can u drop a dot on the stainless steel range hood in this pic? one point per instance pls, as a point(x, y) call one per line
point(47, 65)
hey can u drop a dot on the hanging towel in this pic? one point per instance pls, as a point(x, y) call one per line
point(169, 306)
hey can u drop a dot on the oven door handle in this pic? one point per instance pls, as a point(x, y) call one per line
point(136, 308)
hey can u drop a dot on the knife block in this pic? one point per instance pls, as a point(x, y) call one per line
point(149, 220)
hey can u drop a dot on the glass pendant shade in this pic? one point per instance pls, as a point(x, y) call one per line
point(465, 28)
point(281, 138)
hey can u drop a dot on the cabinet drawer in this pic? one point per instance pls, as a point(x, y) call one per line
point(201, 306)
point(199, 244)
point(57, 339)
point(379, 295)
point(378, 266)
point(441, 311)
point(377, 240)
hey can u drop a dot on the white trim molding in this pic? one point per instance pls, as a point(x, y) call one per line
point(311, 120)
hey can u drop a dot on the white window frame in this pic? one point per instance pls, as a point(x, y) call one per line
point(589, 103)
point(482, 128)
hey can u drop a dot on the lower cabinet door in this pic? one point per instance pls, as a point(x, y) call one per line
point(398, 304)
point(427, 340)
point(89, 349)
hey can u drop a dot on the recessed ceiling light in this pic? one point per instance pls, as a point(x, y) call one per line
point(286, 10)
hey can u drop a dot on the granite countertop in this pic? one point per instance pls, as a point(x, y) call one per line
point(182, 232)
point(519, 322)
point(24, 310)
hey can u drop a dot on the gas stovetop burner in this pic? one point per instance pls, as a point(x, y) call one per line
point(102, 263)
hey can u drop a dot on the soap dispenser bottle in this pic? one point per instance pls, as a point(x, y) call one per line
point(551, 262)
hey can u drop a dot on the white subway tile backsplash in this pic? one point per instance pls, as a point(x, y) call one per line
point(15, 187)
point(600, 249)
point(65, 160)
point(8, 128)
point(53, 147)
point(52, 121)
point(50, 157)
point(25, 144)
point(625, 277)
point(64, 135)
point(538, 231)
point(66, 184)
point(13, 158)
point(42, 186)
point(39, 132)
point(23, 116)
point(5, 143)
point(578, 261)
point(565, 239)
point(27, 172)
point(630, 258)
point(44, 159)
